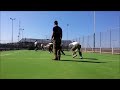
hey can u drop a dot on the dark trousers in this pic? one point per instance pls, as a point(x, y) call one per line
point(57, 48)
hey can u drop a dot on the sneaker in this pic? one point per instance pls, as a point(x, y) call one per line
point(74, 56)
point(81, 57)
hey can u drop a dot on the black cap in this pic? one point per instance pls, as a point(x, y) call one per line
point(56, 22)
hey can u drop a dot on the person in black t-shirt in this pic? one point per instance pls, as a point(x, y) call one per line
point(56, 39)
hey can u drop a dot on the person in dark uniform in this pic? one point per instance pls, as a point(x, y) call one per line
point(56, 39)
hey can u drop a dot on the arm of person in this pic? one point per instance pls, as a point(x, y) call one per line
point(52, 35)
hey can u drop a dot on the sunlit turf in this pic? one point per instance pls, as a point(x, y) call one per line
point(29, 64)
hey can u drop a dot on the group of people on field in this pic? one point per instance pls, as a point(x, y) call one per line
point(55, 44)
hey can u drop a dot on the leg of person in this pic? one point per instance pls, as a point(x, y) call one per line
point(58, 54)
point(74, 54)
point(73, 51)
point(58, 49)
point(79, 50)
point(49, 49)
point(62, 50)
point(36, 47)
point(52, 48)
point(55, 50)
point(42, 48)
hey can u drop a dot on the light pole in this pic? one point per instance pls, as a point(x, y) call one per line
point(94, 33)
point(22, 32)
point(19, 32)
point(12, 27)
point(20, 29)
point(67, 36)
point(18, 38)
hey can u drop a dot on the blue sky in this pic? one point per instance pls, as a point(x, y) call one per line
point(39, 24)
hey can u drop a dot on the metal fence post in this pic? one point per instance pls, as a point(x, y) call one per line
point(110, 38)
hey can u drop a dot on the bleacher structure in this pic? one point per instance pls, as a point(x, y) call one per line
point(28, 43)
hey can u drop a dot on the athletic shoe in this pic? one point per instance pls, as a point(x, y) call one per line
point(81, 57)
point(55, 59)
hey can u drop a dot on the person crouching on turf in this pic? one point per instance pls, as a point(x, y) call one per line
point(50, 47)
point(42, 47)
point(75, 46)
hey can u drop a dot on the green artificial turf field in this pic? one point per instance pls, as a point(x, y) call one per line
point(29, 64)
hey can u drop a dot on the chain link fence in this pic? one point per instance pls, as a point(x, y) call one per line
point(105, 42)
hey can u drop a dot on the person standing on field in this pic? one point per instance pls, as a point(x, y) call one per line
point(56, 39)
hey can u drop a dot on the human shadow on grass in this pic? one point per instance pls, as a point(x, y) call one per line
point(81, 61)
point(89, 58)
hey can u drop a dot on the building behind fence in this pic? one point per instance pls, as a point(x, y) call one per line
point(28, 43)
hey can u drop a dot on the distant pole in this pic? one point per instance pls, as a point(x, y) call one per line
point(12, 27)
point(79, 40)
point(110, 38)
point(83, 42)
point(88, 42)
point(100, 39)
point(18, 38)
point(94, 32)
point(22, 33)
point(19, 32)
point(67, 36)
